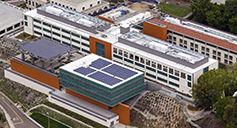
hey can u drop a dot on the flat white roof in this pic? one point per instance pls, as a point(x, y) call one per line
point(135, 19)
point(86, 64)
point(9, 14)
point(163, 60)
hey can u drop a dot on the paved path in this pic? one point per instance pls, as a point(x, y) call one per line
point(19, 119)
point(188, 15)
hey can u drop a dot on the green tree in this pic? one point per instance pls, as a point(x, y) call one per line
point(38, 5)
point(209, 88)
point(22, 5)
point(231, 85)
point(220, 107)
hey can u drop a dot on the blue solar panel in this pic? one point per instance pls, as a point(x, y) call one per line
point(104, 78)
point(84, 71)
point(99, 63)
point(119, 71)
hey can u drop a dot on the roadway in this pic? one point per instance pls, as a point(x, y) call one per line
point(19, 119)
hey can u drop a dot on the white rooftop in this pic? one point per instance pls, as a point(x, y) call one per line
point(164, 47)
point(87, 63)
point(9, 14)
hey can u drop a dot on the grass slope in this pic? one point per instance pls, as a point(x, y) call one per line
point(174, 9)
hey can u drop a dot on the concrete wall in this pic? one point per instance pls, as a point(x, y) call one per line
point(8, 73)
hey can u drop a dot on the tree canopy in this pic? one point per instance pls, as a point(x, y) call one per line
point(221, 16)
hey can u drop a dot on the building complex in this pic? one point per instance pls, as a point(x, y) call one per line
point(12, 16)
point(214, 43)
point(125, 56)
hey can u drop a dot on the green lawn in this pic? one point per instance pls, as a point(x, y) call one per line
point(43, 120)
point(174, 9)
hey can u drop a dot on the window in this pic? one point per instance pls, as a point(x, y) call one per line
point(207, 54)
point(183, 75)
point(203, 53)
point(57, 28)
point(29, 2)
point(191, 44)
point(147, 62)
point(36, 33)
point(26, 1)
point(65, 37)
point(57, 40)
point(173, 77)
point(130, 61)
point(100, 49)
point(185, 42)
point(150, 75)
point(214, 57)
point(25, 17)
point(171, 71)
point(98, 2)
point(151, 69)
point(66, 6)
point(219, 53)
point(174, 84)
point(84, 44)
point(140, 65)
point(214, 52)
point(46, 24)
point(17, 25)
point(185, 46)
point(65, 31)
point(196, 46)
point(116, 56)
point(3, 31)
point(153, 64)
point(165, 68)
point(230, 57)
point(137, 58)
point(76, 41)
point(125, 54)
point(76, 35)
point(174, 38)
point(36, 4)
point(230, 62)
point(90, 5)
point(38, 21)
point(174, 43)
point(203, 48)
point(189, 77)
point(226, 56)
point(115, 50)
point(161, 79)
point(170, 41)
point(33, 4)
point(180, 45)
point(176, 73)
point(189, 84)
point(207, 49)
point(26, 24)
point(205, 69)
point(86, 51)
point(142, 60)
point(57, 34)
point(37, 27)
point(131, 56)
point(191, 49)
point(83, 8)
point(120, 52)
point(59, 4)
point(219, 59)
point(162, 73)
point(169, 37)
point(225, 61)
point(71, 8)
point(85, 38)
point(180, 41)
point(196, 50)
point(159, 66)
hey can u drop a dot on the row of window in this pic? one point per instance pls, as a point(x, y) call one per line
point(147, 62)
point(33, 4)
point(83, 8)
point(10, 28)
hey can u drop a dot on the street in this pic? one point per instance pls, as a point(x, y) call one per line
point(18, 118)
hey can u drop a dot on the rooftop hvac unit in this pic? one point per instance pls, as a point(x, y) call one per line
point(85, 22)
point(53, 10)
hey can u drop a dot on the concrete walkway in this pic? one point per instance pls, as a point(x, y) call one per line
point(188, 15)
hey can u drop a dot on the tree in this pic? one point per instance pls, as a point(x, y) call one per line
point(231, 85)
point(38, 5)
point(209, 88)
point(220, 107)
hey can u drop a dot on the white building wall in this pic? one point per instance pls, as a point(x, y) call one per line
point(69, 107)
point(26, 82)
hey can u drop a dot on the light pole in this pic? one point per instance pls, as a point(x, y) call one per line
point(48, 120)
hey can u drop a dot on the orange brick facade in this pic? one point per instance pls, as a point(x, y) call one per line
point(35, 74)
point(108, 46)
point(87, 99)
point(124, 113)
point(155, 31)
point(106, 19)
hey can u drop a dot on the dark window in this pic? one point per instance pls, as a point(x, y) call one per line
point(230, 57)
point(10, 28)
point(173, 77)
point(196, 46)
point(165, 68)
point(33, 4)
point(189, 77)
point(85, 38)
point(98, 2)
point(37, 27)
point(176, 72)
point(230, 62)
point(76, 41)
point(205, 69)
point(46, 24)
point(90, 5)
point(185, 46)
point(203, 53)
point(225, 61)
point(153, 64)
point(38, 21)
point(174, 84)
point(137, 58)
point(25, 17)
point(65, 37)
point(57, 34)
point(180, 41)
point(46, 30)
point(56, 28)
point(38, 33)
point(65, 31)
point(3, 31)
point(142, 60)
point(161, 79)
point(185, 42)
point(174, 43)
point(86, 51)
point(162, 73)
point(214, 52)
point(174, 38)
point(170, 41)
point(125, 54)
point(191, 49)
point(196, 50)
point(169, 37)
point(150, 75)
point(76, 35)
point(116, 56)
point(159, 66)
point(183, 75)
point(120, 52)
point(214, 57)
point(151, 69)
point(115, 50)
point(83, 8)
point(17, 25)
point(131, 56)
point(171, 71)
point(29, 2)
point(207, 49)
point(207, 54)
point(219, 53)
point(140, 65)
point(226, 56)
point(84, 44)
point(130, 61)
point(147, 62)
point(203, 48)
point(57, 40)
point(180, 45)
point(189, 84)
point(191, 44)
point(219, 59)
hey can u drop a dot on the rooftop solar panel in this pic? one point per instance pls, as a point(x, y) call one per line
point(45, 48)
point(119, 71)
point(102, 77)
point(99, 63)
point(84, 71)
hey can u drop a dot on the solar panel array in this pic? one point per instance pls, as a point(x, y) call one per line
point(45, 48)
point(119, 71)
point(99, 63)
point(115, 72)
point(84, 71)
point(102, 77)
